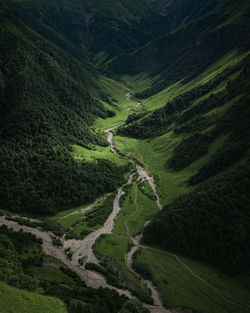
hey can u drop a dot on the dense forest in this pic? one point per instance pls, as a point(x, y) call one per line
point(185, 53)
point(99, 30)
point(211, 222)
point(21, 259)
point(48, 101)
point(188, 64)
point(188, 117)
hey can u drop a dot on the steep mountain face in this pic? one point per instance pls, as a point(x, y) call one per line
point(193, 126)
point(187, 52)
point(211, 222)
point(205, 129)
point(48, 101)
point(106, 29)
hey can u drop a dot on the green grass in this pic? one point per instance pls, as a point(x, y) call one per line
point(156, 152)
point(115, 246)
point(180, 288)
point(68, 220)
point(234, 285)
point(52, 260)
point(97, 152)
point(161, 98)
point(147, 208)
point(141, 82)
point(59, 216)
point(118, 92)
point(138, 82)
point(31, 251)
point(50, 274)
point(13, 300)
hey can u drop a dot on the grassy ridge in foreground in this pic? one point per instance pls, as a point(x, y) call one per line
point(13, 299)
point(180, 288)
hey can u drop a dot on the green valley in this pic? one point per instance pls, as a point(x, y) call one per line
point(124, 159)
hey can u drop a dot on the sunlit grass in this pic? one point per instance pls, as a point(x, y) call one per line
point(97, 152)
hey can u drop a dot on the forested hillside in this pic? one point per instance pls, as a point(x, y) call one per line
point(211, 221)
point(48, 101)
point(43, 289)
point(101, 30)
point(185, 53)
point(125, 148)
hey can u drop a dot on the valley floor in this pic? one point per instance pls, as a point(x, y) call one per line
point(110, 253)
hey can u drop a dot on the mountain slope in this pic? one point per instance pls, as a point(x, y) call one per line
point(13, 298)
point(202, 139)
point(186, 52)
point(105, 28)
point(48, 101)
point(204, 147)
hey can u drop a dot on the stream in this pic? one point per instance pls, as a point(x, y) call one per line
point(83, 249)
point(143, 175)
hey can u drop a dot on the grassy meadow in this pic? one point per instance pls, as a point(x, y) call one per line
point(179, 287)
point(13, 300)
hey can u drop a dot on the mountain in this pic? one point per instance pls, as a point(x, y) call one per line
point(185, 53)
point(202, 134)
point(101, 30)
point(48, 102)
point(179, 112)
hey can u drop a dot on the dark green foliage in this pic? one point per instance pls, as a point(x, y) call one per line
point(157, 123)
point(189, 150)
point(45, 225)
point(142, 268)
point(211, 223)
point(80, 299)
point(17, 252)
point(132, 306)
point(134, 117)
point(20, 240)
point(111, 275)
point(111, 27)
point(236, 122)
point(142, 296)
point(187, 52)
point(74, 293)
point(57, 242)
point(196, 124)
point(9, 263)
point(48, 102)
point(99, 215)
